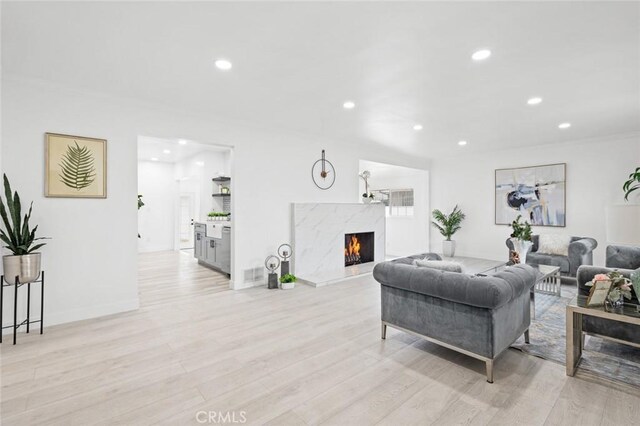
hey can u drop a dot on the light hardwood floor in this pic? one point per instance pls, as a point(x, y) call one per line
point(305, 356)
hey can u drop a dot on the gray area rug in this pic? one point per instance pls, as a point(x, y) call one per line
point(601, 358)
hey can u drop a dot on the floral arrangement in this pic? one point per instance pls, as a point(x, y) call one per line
point(619, 284)
point(521, 230)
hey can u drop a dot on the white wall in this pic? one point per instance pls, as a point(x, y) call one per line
point(157, 218)
point(596, 171)
point(195, 174)
point(91, 261)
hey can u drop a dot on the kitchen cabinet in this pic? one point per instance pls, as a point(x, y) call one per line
point(199, 241)
point(213, 251)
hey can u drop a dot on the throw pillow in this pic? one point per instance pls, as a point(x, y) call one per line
point(554, 244)
point(440, 265)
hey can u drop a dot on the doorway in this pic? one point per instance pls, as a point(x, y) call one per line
point(186, 219)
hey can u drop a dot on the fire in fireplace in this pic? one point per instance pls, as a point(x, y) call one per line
point(358, 248)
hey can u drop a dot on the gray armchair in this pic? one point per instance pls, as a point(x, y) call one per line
point(623, 257)
point(477, 316)
point(580, 253)
point(601, 326)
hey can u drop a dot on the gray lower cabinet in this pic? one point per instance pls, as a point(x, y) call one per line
point(223, 251)
point(214, 252)
point(199, 248)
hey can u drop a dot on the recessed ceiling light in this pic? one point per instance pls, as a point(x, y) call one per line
point(349, 105)
point(223, 64)
point(166, 151)
point(462, 143)
point(534, 101)
point(564, 125)
point(200, 163)
point(182, 142)
point(154, 158)
point(417, 127)
point(481, 55)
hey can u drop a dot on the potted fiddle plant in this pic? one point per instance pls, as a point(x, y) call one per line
point(521, 238)
point(448, 224)
point(20, 239)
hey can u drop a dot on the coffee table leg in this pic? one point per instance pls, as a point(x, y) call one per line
point(574, 340)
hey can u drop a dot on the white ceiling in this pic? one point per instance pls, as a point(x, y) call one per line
point(401, 63)
point(151, 147)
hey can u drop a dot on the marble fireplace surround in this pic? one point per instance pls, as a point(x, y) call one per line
point(318, 239)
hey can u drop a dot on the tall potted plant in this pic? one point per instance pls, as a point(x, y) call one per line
point(19, 238)
point(448, 225)
point(521, 238)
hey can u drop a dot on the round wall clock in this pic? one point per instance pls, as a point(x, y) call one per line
point(323, 173)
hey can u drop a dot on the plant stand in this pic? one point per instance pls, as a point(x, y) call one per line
point(28, 321)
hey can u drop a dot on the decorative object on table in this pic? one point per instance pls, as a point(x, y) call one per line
point(272, 263)
point(514, 257)
point(620, 290)
point(140, 205)
point(367, 198)
point(537, 193)
point(613, 285)
point(521, 238)
point(448, 225)
point(76, 166)
point(287, 281)
point(632, 184)
point(19, 238)
point(323, 173)
point(224, 190)
point(285, 252)
point(600, 287)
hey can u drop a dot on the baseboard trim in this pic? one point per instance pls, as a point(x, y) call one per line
point(89, 312)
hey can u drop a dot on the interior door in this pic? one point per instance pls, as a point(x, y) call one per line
point(187, 211)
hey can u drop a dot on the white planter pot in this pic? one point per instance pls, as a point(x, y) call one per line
point(522, 247)
point(366, 200)
point(26, 267)
point(287, 286)
point(449, 248)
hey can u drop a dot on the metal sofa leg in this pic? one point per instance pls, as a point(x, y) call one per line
point(526, 336)
point(489, 370)
point(384, 331)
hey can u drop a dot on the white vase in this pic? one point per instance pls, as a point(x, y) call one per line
point(522, 247)
point(449, 248)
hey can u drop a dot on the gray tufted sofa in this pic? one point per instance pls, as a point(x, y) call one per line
point(625, 257)
point(477, 316)
point(602, 326)
point(580, 253)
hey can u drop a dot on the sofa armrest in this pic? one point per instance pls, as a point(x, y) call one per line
point(581, 253)
point(483, 292)
point(582, 246)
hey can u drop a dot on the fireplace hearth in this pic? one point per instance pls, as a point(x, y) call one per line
point(358, 248)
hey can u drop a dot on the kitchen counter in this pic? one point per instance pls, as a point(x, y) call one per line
point(212, 244)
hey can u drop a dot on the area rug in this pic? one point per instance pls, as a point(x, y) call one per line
point(601, 358)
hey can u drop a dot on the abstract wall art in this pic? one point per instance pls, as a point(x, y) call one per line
point(76, 167)
point(538, 193)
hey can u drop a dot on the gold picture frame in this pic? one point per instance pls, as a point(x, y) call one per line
point(75, 166)
point(598, 293)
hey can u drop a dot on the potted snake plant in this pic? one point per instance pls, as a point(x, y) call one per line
point(19, 239)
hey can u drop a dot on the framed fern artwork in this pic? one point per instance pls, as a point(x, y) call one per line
point(76, 167)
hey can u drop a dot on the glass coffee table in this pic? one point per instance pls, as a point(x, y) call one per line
point(578, 308)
